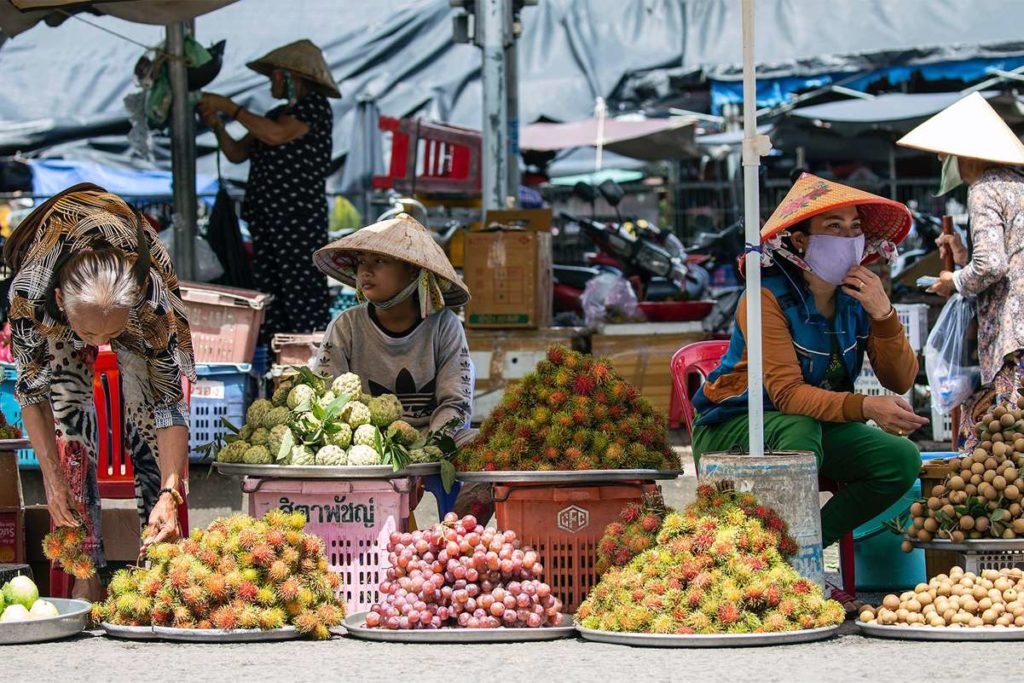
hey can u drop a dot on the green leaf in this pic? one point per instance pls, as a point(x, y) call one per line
point(334, 407)
point(231, 438)
point(286, 446)
point(961, 510)
point(944, 519)
point(447, 475)
point(998, 516)
point(227, 423)
point(318, 411)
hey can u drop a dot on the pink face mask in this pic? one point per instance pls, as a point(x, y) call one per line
point(830, 257)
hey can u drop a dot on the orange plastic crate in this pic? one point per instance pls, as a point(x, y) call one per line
point(564, 524)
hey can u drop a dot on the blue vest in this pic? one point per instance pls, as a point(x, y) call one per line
point(813, 337)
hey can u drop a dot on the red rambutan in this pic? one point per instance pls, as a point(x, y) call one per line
point(728, 614)
point(650, 523)
point(584, 385)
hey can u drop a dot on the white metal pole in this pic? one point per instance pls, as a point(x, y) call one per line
point(492, 27)
point(600, 111)
point(752, 225)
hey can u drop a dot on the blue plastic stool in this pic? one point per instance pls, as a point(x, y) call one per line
point(445, 501)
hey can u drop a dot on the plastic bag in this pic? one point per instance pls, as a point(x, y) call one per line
point(609, 298)
point(952, 375)
point(208, 266)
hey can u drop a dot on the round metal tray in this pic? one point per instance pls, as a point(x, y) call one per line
point(326, 472)
point(356, 626)
point(947, 634)
point(14, 444)
point(582, 476)
point(194, 635)
point(73, 619)
point(993, 545)
point(128, 632)
point(703, 640)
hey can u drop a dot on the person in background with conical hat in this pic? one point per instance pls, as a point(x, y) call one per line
point(289, 152)
point(822, 312)
point(404, 339)
point(977, 147)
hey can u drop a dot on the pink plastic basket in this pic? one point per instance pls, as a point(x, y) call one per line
point(225, 321)
point(354, 518)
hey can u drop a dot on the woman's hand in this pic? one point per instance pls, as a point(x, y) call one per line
point(866, 287)
point(947, 243)
point(61, 504)
point(209, 117)
point(893, 414)
point(944, 285)
point(213, 103)
point(163, 522)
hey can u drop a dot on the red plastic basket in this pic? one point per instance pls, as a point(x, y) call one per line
point(564, 524)
point(354, 519)
point(675, 311)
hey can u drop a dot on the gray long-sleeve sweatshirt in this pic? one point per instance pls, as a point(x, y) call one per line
point(428, 368)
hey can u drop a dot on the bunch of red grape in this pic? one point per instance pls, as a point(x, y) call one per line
point(460, 574)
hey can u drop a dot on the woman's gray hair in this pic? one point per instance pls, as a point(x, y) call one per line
point(103, 278)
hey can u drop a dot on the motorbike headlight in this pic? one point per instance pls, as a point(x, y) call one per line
point(654, 260)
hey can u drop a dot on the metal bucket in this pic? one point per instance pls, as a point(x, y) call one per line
point(786, 481)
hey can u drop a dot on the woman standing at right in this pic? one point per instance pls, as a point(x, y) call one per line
point(977, 147)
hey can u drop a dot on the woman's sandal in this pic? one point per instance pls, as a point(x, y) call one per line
point(852, 605)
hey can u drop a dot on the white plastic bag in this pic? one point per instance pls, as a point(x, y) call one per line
point(609, 296)
point(208, 266)
point(953, 377)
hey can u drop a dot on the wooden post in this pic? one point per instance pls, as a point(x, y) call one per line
point(949, 264)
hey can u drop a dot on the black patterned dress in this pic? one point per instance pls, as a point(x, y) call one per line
point(286, 208)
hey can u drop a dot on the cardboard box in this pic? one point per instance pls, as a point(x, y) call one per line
point(10, 481)
point(645, 361)
point(12, 536)
point(501, 357)
point(122, 532)
point(508, 269)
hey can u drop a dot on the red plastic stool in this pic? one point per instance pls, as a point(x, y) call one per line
point(114, 471)
point(690, 366)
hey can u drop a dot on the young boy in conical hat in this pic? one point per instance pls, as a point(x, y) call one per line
point(403, 339)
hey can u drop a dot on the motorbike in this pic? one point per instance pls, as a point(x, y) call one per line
point(652, 259)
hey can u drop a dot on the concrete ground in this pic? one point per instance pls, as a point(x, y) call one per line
point(848, 657)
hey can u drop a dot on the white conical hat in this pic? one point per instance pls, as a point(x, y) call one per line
point(968, 128)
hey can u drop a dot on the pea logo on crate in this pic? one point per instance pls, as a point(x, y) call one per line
point(339, 513)
point(573, 519)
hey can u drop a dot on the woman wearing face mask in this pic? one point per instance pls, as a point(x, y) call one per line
point(976, 147)
point(89, 271)
point(289, 152)
point(822, 312)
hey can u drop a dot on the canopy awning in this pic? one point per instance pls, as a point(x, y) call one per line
point(647, 139)
point(17, 16)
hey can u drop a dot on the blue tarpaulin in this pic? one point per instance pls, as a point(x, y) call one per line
point(50, 176)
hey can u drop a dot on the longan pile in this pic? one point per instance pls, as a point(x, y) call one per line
point(959, 600)
point(983, 496)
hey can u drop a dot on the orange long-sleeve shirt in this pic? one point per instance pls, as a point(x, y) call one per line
point(890, 354)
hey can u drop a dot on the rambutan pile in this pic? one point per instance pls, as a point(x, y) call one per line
point(238, 573)
point(574, 412)
point(635, 533)
point(7, 430)
point(66, 545)
point(718, 567)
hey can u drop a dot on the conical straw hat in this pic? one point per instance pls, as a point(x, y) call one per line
point(968, 128)
point(303, 58)
point(400, 238)
point(881, 218)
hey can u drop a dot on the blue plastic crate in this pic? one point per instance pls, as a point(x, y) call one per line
point(12, 411)
point(221, 392)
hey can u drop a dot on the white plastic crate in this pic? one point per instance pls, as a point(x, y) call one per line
point(978, 562)
point(942, 426)
point(867, 383)
point(915, 323)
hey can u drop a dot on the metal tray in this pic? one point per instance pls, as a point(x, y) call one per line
point(700, 640)
point(73, 619)
point(994, 545)
point(194, 635)
point(947, 634)
point(326, 472)
point(581, 476)
point(356, 626)
point(128, 632)
point(14, 444)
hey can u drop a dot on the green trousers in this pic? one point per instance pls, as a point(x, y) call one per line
point(873, 468)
